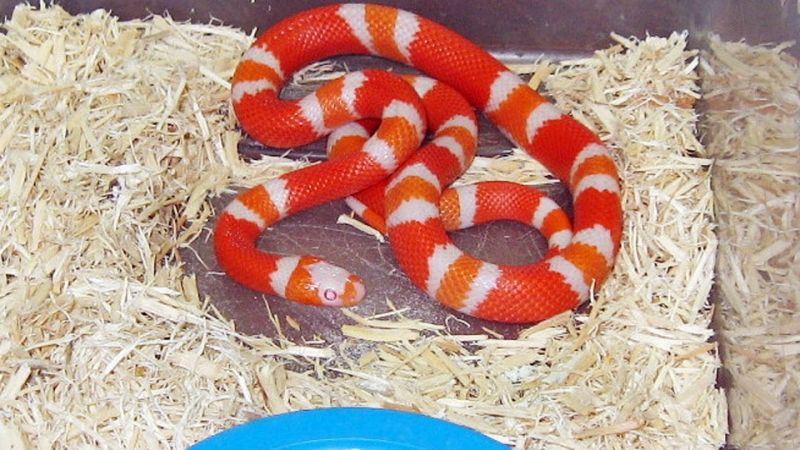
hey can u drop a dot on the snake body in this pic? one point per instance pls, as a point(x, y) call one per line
point(404, 193)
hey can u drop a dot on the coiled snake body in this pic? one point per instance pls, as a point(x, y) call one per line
point(407, 205)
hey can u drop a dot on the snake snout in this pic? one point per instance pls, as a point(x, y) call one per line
point(353, 291)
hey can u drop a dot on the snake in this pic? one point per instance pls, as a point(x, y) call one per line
point(397, 177)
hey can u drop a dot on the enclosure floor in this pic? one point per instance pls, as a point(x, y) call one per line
point(118, 147)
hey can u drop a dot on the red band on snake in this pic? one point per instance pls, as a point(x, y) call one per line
point(408, 203)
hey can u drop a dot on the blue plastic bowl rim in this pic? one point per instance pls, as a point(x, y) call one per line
point(350, 425)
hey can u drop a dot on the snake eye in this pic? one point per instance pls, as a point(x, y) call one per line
point(330, 295)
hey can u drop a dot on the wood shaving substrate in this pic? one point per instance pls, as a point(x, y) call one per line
point(753, 131)
point(115, 134)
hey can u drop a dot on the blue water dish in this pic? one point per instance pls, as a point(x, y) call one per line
point(349, 429)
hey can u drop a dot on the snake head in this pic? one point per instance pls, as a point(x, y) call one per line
point(317, 282)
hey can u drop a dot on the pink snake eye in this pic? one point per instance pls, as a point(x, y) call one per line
point(330, 295)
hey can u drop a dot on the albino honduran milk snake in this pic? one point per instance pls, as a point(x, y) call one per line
point(407, 205)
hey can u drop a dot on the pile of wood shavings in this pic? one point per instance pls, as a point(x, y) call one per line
point(753, 130)
point(118, 133)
